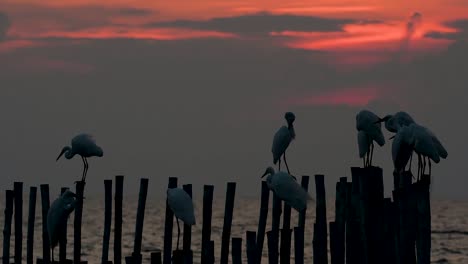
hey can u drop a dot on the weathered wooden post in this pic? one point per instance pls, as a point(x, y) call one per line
point(45, 235)
point(251, 247)
point(302, 215)
point(107, 221)
point(354, 248)
point(168, 225)
point(119, 180)
point(210, 257)
point(187, 239)
point(77, 221)
point(333, 243)
point(31, 220)
point(18, 190)
point(228, 211)
point(206, 227)
point(273, 239)
point(299, 245)
point(320, 227)
point(388, 238)
point(63, 238)
point(423, 240)
point(285, 247)
point(265, 196)
point(236, 251)
point(156, 257)
point(136, 255)
point(340, 220)
point(9, 195)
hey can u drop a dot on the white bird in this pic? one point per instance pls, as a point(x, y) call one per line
point(282, 139)
point(182, 206)
point(85, 146)
point(287, 189)
point(369, 130)
point(422, 141)
point(57, 217)
point(399, 119)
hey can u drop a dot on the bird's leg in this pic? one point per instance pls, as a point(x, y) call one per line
point(279, 164)
point(178, 233)
point(430, 172)
point(410, 160)
point(284, 157)
point(364, 161)
point(372, 153)
point(84, 168)
point(424, 167)
point(87, 166)
point(419, 166)
point(52, 255)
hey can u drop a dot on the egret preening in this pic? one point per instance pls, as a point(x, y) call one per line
point(85, 146)
point(287, 189)
point(282, 139)
point(181, 205)
point(399, 119)
point(369, 130)
point(420, 140)
point(57, 217)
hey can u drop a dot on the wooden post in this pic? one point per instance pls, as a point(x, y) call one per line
point(272, 247)
point(340, 220)
point(118, 219)
point(210, 258)
point(63, 238)
point(407, 222)
point(77, 221)
point(156, 257)
point(228, 211)
point(187, 239)
point(423, 241)
point(18, 190)
point(236, 250)
point(45, 235)
point(285, 247)
point(388, 238)
point(107, 220)
point(31, 220)
point(262, 220)
point(320, 227)
point(178, 257)
point(251, 247)
point(273, 252)
point(9, 194)
point(333, 243)
point(139, 221)
point(168, 225)
point(354, 248)
point(299, 245)
point(206, 227)
point(302, 215)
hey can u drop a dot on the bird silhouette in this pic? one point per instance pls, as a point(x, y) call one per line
point(399, 119)
point(282, 139)
point(369, 130)
point(85, 146)
point(57, 217)
point(182, 206)
point(287, 189)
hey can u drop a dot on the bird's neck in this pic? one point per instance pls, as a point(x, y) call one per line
point(69, 153)
point(291, 130)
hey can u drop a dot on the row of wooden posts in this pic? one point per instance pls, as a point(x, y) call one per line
point(368, 228)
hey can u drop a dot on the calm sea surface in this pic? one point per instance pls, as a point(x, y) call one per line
point(449, 223)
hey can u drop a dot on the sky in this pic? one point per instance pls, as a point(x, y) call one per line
point(197, 89)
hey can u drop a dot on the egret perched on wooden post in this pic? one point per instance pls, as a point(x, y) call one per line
point(85, 146)
point(369, 130)
point(282, 139)
point(57, 217)
point(287, 189)
point(181, 205)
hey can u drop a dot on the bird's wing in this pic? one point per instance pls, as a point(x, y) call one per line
point(288, 190)
point(281, 142)
point(403, 119)
point(438, 145)
point(181, 204)
point(363, 143)
point(85, 145)
point(424, 144)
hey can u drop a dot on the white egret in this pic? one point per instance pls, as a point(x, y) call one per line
point(182, 206)
point(85, 146)
point(287, 189)
point(399, 119)
point(369, 130)
point(282, 139)
point(57, 217)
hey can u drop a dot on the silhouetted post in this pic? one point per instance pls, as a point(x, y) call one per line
point(9, 194)
point(136, 255)
point(299, 245)
point(251, 247)
point(333, 243)
point(423, 240)
point(285, 248)
point(63, 238)
point(178, 257)
point(156, 257)
point(340, 220)
point(18, 190)
point(210, 257)
point(187, 239)
point(107, 220)
point(45, 235)
point(31, 220)
point(236, 251)
point(228, 211)
point(206, 227)
point(262, 219)
point(302, 215)
point(354, 250)
point(118, 219)
point(388, 238)
point(168, 225)
point(77, 221)
point(320, 227)
point(407, 221)
point(272, 247)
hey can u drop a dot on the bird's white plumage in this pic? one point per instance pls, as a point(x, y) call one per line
point(85, 145)
point(369, 123)
point(399, 119)
point(58, 215)
point(287, 189)
point(181, 204)
point(281, 141)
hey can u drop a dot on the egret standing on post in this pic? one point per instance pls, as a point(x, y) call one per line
point(85, 146)
point(282, 139)
point(181, 205)
point(369, 130)
point(57, 217)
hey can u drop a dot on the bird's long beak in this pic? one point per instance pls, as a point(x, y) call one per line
point(264, 174)
point(60, 155)
point(379, 121)
point(392, 137)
